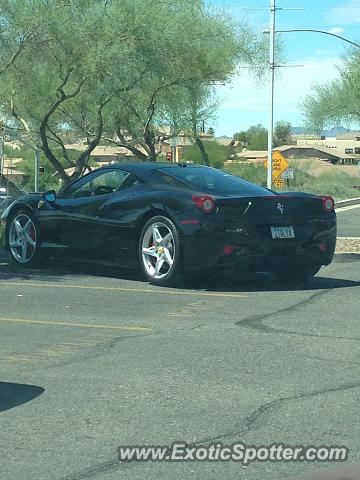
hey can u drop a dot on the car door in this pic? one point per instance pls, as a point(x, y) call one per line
point(119, 216)
point(77, 220)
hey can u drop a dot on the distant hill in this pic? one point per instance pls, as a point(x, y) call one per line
point(332, 132)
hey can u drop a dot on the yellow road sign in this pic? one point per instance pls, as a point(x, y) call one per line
point(278, 182)
point(279, 164)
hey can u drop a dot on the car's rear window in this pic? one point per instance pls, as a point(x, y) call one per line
point(210, 180)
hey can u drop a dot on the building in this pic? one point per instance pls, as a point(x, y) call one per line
point(345, 147)
point(333, 154)
point(10, 170)
point(102, 155)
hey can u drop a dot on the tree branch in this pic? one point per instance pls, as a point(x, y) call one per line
point(44, 124)
point(58, 140)
point(81, 163)
point(124, 143)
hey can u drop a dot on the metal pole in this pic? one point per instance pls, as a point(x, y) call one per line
point(272, 81)
point(37, 161)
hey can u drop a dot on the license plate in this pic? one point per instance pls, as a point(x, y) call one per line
point(282, 232)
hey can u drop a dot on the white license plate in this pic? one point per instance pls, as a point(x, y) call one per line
point(282, 232)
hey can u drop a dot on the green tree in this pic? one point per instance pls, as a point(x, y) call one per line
point(216, 153)
point(16, 32)
point(241, 137)
point(282, 133)
point(60, 85)
point(194, 48)
point(255, 138)
point(65, 80)
point(336, 102)
point(194, 105)
point(112, 71)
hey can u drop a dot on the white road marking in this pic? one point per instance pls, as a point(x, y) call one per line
point(344, 209)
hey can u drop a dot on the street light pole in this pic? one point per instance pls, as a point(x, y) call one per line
point(272, 83)
point(37, 161)
point(272, 65)
point(312, 30)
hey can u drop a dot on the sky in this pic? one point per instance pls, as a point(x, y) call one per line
point(244, 102)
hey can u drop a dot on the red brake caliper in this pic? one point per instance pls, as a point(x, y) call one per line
point(32, 236)
point(153, 262)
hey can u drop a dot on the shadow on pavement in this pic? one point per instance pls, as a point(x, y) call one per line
point(14, 394)
point(57, 271)
point(263, 282)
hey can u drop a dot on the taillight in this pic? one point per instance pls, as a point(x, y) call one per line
point(204, 202)
point(328, 204)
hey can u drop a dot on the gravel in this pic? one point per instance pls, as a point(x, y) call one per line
point(348, 245)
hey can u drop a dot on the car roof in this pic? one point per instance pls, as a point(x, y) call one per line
point(151, 165)
point(146, 169)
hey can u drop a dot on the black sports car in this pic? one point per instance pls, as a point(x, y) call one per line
point(173, 218)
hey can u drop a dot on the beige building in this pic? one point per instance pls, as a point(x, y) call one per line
point(345, 147)
point(11, 170)
point(103, 155)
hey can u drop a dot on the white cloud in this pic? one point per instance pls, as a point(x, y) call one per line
point(246, 103)
point(336, 30)
point(347, 13)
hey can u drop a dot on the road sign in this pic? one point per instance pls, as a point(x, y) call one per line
point(278, 182)
point(279, 164)
point(173, 142)
point(288, 174)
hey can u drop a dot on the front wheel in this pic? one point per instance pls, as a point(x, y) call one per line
point(160, 251)
point(23, 239)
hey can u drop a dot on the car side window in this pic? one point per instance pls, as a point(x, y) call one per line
point(102, 184)
point(171, 180)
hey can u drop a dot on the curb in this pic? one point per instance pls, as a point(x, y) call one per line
point(347, 203)
point(346, 257)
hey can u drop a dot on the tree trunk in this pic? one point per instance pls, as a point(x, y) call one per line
point(204, 155)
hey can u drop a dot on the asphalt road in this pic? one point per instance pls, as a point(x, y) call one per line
point(91, 360)
point(349, 222)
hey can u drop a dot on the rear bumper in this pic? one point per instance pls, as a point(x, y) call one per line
point(314, 240)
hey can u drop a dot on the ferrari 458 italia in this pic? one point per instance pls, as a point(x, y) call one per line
point(173, 219)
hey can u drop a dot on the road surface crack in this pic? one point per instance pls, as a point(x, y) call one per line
point(252, 421)
point(249, 423)
point(256, 322)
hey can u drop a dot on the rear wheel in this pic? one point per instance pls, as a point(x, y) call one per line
point(23, 239)
point(297, 274)
point(160, 251)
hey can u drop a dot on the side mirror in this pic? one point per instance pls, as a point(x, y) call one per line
point(50, 196)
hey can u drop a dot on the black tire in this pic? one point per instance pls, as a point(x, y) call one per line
point(297, 274)
point(32, 255)
point(169, 275)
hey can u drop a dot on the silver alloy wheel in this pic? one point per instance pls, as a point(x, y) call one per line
point(158, 250)
point(22, 238)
